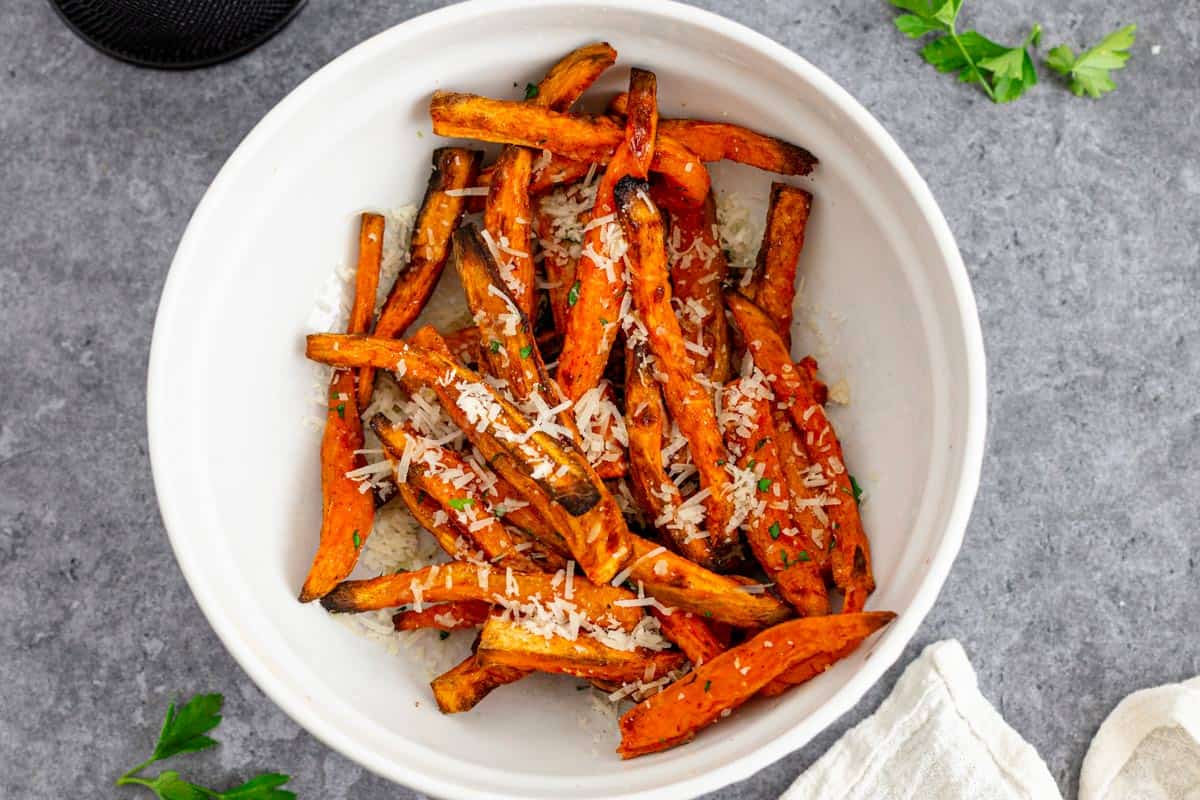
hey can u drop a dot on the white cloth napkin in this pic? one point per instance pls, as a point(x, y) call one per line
point(937, 737)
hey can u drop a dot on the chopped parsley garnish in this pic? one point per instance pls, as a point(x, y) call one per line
point(707, 685)
point(804, 556)
point(527, 351)
point(783, 556)
point(708, 613)
point(856, 491)
point(761, 442)
point(764, 484)
point(752, 464)
point(774, 530)
point(341, 409)
point(494, 345)
point(531, 91)
point(443, 635)
point(460, 503)
point(357, 540)
point(603, 321)
point(573, 293)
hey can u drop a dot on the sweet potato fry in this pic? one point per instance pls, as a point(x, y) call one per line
point(774, 286)
point(573, 74)
point(366, 286)
point(712, 690)
point(804, 487)
point(691, 634)
point(445, 616)
point(492, 423)
point(690, 404)
point(580, 137)
point(850, 552)
point(698, 269)
point(510, 644)
point(462, 687)
point(682, 584)
point(346, 513)
point(716, 141)
point(641, 122)
point(453, 168)
point(464, 345)
point(508, 209)
point(785, 551)
point(459, 580)
point(594, 319)
point(452, 484)
point(506, 221)
point(656, 493)
point(508, 346)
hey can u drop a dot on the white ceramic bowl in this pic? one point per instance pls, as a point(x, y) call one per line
point(237, 475)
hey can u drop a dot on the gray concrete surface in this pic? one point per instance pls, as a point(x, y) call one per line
point(1078, 580)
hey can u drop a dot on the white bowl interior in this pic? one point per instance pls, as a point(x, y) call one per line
point(237, 470)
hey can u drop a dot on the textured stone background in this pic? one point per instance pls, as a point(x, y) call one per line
point(1077, 583)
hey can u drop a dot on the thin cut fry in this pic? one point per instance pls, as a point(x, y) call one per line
point(594, 319)
point(645, 421)
point(453, 168)
point(366, 286)
point(850, 552)
point(711, 691)
point(804, 487)
point(462, 687)
point(510, 644)
point(785, 551)
point(445, 616)
point(690, 403)
point(459, 580)
point(774, 286)
point(682, 584)
point(641, 124)
point(580, 137)
point(698, 270)
point(460, 496)
point(424, 510)
point(714, 141)
point(347, 514)
point(508, 210)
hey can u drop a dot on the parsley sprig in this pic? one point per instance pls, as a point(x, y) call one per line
point(1091, 71)
point(185, 731)
point(1005, 73)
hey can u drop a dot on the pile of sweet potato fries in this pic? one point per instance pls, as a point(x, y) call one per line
point(688, 550)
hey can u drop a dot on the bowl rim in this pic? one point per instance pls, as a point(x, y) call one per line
point(886, 651)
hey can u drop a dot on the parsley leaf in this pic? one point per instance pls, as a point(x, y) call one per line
point(774, 530)
point(1004, 73)
point(460, 503)
point(494, 346)
point(1091, 72)
point(573, 294)
point(184, 731)
point(856, 490)
point(527, 351)
point(764, 484)
point(531, 91)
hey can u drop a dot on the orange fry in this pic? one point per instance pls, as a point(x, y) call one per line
point(510, 644)
point(715, 141)
point(346, 513)
point(641, 124)
point(676, 714)
point(463, 686)
point(785, 551)
point(459, 580)
point(690, 403)
point(691, 634)
point(698, 269)
point(850, 552)
point(774, 286)
point(453, 168)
